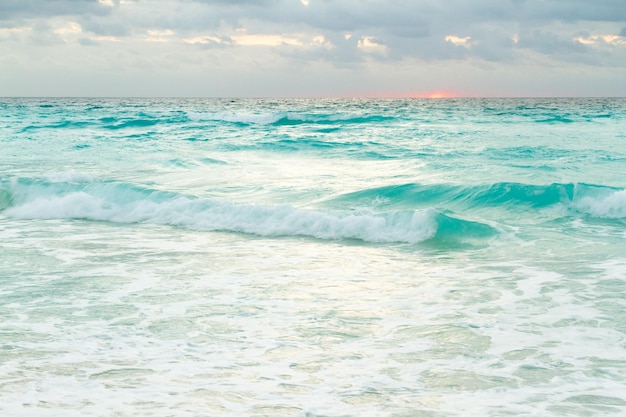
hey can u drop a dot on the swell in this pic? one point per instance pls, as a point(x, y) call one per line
point(588, 199)
point(137, 121)
point(120, 202)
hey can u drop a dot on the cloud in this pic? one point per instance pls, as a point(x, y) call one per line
point(465, 41)
point(69, 28)
point(159, 35)
point(599, 40)
point(294, 35)
point(371, 45)
point(25, 9)
point(411, 29)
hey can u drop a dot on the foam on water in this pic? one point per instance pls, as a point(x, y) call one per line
point(604, 203)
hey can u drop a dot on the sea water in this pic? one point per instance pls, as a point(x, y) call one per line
point(212, 257)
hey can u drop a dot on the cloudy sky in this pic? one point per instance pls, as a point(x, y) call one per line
point(312, 48)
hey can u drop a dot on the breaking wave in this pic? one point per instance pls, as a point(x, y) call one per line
point(119, 202)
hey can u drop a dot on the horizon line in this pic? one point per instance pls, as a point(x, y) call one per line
point(329, 97)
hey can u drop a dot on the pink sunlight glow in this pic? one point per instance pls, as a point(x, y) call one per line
point(436, 94)
point(423, 94)
point(410, 94)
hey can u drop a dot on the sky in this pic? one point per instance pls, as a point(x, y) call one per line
point(313, 48)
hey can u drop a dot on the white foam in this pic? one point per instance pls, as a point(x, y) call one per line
point(204, 214)
point(612, 205)
point(248, 118)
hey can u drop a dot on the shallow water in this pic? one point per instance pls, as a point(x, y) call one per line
point(312, 257)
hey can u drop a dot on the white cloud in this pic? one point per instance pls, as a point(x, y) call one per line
point(465, 41)
point(159, 35)
point(20, 29)
point(70, 28)
point(166, 32)
point(595, 40)
point(107, 39)
point(202, 40)
point(292, 40)
point(370, 44)
point(321, 41)
point(266, 40)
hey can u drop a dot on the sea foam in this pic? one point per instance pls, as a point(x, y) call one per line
point(610, 204)
point(128, 203)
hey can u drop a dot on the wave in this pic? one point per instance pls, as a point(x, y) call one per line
point(593, 200)
point(138, 121)
point(131, 123)
point(143, 120)
point(64, 124)
point(600, 202)
point(120, 202)
point(325, 148)
point(553, 119)
point(503, 193)
point(287, 118)
point(530, 152)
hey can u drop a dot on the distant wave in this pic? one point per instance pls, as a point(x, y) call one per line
point(138, 121)
point(287, 118)
point(142, 120)
point(82, 197)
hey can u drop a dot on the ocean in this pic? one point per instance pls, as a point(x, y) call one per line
point(312, 257)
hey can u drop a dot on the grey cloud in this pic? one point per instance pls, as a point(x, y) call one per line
point(550, 43)
point(581, 10)
point(88, 42)
point(535, 11)
point(494, 45)
point(105, 28)
point(26, 9)
point(567, 50)
point(409, 28)
point(237, 3)
point(509, 36)
point(417, 29)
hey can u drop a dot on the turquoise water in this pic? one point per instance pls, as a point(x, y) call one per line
point(205, 257)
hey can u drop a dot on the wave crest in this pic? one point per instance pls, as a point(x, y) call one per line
point(121, 202)
point(595, 200)
point(601, 202)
